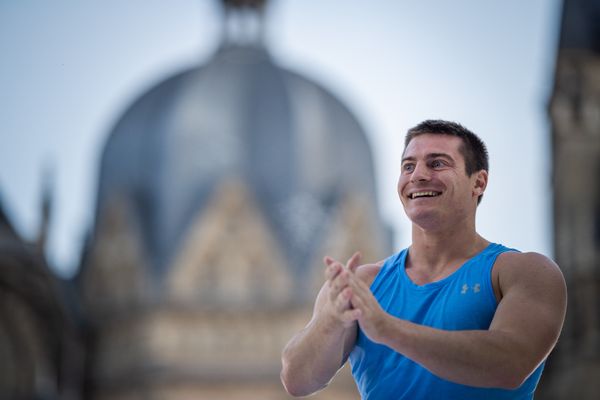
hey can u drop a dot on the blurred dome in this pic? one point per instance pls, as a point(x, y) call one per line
point(291, 142)
point(220, 190)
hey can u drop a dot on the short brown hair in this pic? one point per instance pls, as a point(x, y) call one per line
point(473, 149)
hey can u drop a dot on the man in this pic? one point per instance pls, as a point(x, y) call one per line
point(451, 317)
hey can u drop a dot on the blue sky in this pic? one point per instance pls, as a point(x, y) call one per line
point(68, 69)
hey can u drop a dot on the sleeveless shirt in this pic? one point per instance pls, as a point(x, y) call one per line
point(462, 301)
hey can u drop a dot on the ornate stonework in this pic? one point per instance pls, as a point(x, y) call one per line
point(229, 256)
point(217, 200)
point(353, 228)
point(220, 321)
point(113, 278)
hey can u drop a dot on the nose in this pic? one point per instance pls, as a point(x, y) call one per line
point(421, 173)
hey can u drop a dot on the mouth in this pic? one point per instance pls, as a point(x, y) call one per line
point(417, 195)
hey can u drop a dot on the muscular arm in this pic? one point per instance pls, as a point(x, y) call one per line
point(524, 330)
point(314, 355)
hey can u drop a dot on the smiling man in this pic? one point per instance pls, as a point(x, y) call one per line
point(453, 316)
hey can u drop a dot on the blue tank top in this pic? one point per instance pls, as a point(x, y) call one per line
point(462, 301)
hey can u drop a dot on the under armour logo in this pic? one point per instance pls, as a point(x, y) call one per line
point(465, 288)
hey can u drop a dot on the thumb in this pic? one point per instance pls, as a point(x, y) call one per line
point(353, 262)
point(328, 260)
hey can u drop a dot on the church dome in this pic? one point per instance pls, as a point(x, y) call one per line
point(241, 117)
point(220, 190)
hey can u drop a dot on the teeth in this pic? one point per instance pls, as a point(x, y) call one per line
point(422, 194)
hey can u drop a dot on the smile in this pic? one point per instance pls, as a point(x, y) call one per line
point(423, 194)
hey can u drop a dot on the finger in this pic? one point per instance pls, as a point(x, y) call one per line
point(350, 316)
point(356, 301)
point(342, 301)
point(354, 261)
point(346, 294)
point(328, 260)
point(361, 296)
point(338, 283)
point(332, 270)
point(359, 286)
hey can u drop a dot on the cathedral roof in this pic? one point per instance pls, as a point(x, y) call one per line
point(239, 116)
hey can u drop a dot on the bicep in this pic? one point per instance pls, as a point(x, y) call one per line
point(532, 309)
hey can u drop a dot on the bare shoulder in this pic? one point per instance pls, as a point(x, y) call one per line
point(368, 272)
point(532, 270)
point(526, 263)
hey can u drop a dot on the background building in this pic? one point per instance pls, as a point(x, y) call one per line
point(218, 198)
point(41, 347)
point(198, 268)
point(575, 112)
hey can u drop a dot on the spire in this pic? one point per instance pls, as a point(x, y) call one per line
point(6, 228)
point(243, 22)
point(46, 209)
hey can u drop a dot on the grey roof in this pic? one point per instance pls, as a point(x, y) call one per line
point(581, 25)
point(241, 116)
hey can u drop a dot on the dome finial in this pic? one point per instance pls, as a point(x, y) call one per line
point(243, 22)
point(256, 4)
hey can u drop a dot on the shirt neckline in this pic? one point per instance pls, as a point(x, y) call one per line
point(442, 282)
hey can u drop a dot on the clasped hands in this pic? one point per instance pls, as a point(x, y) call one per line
point(350, 299)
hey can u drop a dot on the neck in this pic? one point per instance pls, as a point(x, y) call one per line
point(437, 249)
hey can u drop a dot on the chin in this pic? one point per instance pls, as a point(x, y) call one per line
point(426, 220)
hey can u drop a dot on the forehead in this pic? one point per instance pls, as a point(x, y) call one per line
point(425, 144)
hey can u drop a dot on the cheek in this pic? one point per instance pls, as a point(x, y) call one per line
point(400, 185)
point(402, 181)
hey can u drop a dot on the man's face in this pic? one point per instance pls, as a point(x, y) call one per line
point(433, 185)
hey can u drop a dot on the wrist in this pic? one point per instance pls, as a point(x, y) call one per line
point(329, 324)
point(388, 331)
point(380, 329)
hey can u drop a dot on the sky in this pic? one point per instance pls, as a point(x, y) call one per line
point(68, 70)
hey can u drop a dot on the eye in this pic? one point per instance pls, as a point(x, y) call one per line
point(408, 167)
point(437, 164)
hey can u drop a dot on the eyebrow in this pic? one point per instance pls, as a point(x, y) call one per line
point(429, 156)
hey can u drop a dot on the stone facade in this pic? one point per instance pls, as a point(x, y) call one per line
point(215, 326)
point(218, 198)
point(574, 367)
point(41, 350)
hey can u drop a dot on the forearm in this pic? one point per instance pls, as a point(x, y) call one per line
point(482, 358)
point(313, 356)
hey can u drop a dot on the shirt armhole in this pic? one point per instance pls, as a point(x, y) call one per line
point(490, 280)
point(388, 265)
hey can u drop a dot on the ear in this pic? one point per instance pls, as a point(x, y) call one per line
point(480, 183)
